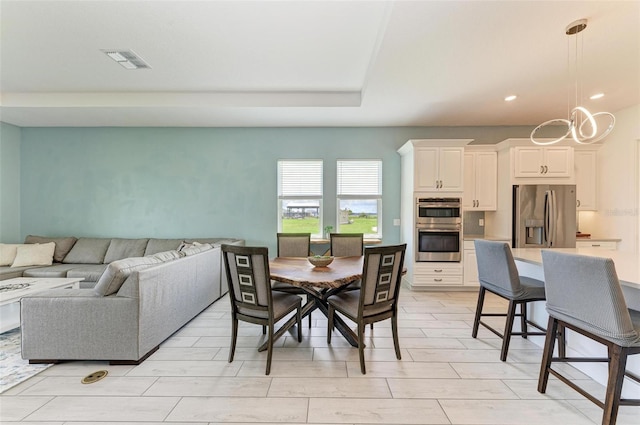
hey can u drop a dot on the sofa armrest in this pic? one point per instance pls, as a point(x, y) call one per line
point(77, 324)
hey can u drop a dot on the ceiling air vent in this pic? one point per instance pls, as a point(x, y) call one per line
point(127, 58)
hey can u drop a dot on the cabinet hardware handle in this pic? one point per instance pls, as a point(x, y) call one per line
point(438, 270)
point(546, 169)
point(542, 169)
point(595, 244)
point(437, 280)
point(578, 202)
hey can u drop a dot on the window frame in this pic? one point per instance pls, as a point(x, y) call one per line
point(283, 198)
point(377, 197)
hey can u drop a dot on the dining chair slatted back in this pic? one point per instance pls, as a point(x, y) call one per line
point(377, 299)
point(251, 296)
point(498, 274)
point(346, 244)
point(294, 244)
point(585, 296)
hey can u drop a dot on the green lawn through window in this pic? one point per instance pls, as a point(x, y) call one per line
point(357, 224)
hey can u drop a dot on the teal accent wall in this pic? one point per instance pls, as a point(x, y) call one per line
point(10, 137)
point(189, 182)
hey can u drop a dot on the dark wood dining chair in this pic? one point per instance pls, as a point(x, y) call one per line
point(377, 299)
point(346, 244)
point(498, 274)
point(584, 295)
point(252, 299)
point(292, 245)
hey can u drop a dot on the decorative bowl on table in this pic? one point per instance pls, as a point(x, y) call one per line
point(320, 260)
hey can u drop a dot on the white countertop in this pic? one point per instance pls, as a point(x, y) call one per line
point(627, 264)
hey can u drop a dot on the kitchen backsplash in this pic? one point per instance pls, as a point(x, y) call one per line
point(471, 222)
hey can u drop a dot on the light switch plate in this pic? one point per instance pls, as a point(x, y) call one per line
point(396, 222)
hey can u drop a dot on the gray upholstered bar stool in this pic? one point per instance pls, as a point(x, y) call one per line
point(498, 274)
point(584, 295)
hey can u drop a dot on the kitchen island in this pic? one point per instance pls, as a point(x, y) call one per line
point(529, 263)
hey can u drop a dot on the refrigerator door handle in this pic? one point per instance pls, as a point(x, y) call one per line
point(553, 222)
point(547, 219)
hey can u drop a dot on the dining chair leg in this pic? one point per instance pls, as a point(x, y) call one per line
point(361, 347)
point(476, 320)
point(330, 324)
point(617, 366)
point(508, 328)
point(269, 349)
point(299, 320)
point(547, 354)
point(234, 336)
point(264, 330)
point(394, 332)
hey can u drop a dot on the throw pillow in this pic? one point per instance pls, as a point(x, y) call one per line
point(125, 248)
point(196, 249)
point(63, 245)
point(118, 271)
point(35, 254)
point(168, 255)
point(88, 251)
point(8, 253)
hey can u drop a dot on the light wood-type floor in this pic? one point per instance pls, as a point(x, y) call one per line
point(444, 377)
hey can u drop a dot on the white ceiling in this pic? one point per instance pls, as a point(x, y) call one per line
point(311, 63)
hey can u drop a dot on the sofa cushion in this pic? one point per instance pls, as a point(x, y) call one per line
point(88, 272)
point(35, 254)
point(7, 272)
point(125, 248)
point(8, 253)
point(63, 245)
point(118, 271)
point(168, 255)
point(55, 270)
point(161, 245)
point(88, 251)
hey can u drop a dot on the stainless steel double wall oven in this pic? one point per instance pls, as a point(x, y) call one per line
point(438, 229)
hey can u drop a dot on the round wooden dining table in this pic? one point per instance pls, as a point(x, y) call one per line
point(320, 283)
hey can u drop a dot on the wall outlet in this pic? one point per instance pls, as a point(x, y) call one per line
point(396, 222)
point(481, 222)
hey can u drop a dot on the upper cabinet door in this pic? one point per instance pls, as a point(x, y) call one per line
point(426, 169)
point(450, 169)
point(585, 165)
point(486, 181)
point(536, 161)
point(469, 193)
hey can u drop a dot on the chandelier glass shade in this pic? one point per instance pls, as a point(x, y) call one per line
point(581, 125)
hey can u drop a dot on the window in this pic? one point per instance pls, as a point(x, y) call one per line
point(300, 197)
point(360, 197)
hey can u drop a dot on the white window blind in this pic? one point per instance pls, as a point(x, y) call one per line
point(299, 178)
point(359, 178)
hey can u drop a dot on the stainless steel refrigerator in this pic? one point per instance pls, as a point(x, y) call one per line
point(544, 216)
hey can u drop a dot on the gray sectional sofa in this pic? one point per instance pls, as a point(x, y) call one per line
point(87, 258)
point(135, 303)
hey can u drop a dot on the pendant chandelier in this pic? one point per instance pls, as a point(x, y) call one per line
point(581, 125)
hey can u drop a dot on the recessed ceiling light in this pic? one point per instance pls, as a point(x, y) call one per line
point(510, 98)
point(597, 96)
point(126, 58)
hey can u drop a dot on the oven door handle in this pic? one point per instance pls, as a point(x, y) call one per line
point(454, 228)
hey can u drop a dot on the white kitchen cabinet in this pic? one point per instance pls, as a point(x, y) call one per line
point(585, 168)
point(596, 244)
point(439, 169)
point(546, 162)
point(470, 262)
point(437, 274)
point(480, 181)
